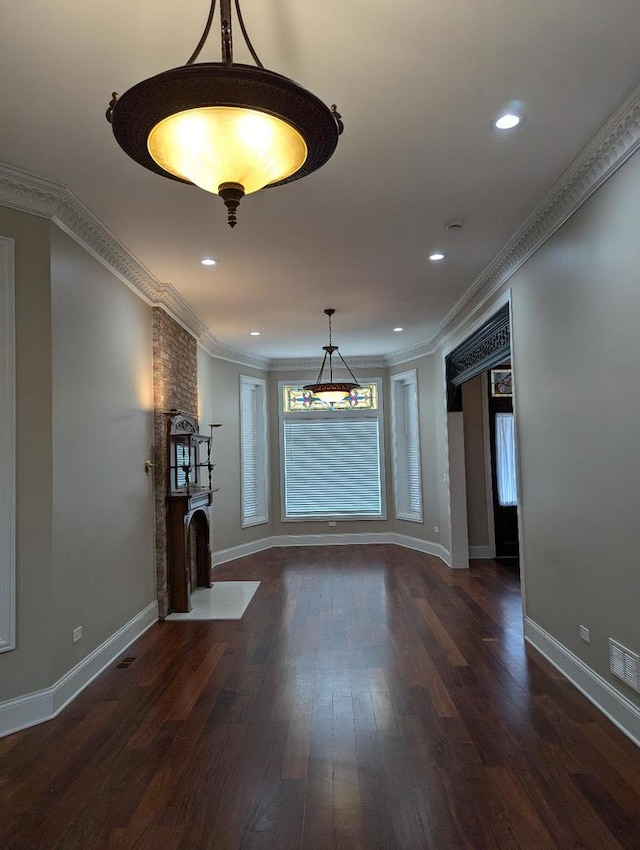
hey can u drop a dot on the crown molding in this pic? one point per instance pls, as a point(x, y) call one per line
point(36, 195)
point(408, 354)
point(39, 196)
point(310, 364)
point(611, 146)
point(233, 355)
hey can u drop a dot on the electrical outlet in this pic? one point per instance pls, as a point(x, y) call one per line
point(436, 528)
point(332, 523)
point(584, 634)
point(77, 634)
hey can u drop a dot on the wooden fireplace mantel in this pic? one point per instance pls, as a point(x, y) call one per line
point(182, 510)
point(189, 502)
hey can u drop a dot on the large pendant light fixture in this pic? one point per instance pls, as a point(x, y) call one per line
point(229, 128)
point(332, 391)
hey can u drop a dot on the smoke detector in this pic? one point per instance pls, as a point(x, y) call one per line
point(455, 225)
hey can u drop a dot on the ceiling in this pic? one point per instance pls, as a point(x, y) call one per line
point(418, 85)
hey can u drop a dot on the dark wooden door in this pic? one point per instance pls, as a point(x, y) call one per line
point(505, 517)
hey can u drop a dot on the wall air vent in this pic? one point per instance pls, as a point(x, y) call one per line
point(624, 664)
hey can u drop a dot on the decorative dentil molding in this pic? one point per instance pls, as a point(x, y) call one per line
point(610, 147)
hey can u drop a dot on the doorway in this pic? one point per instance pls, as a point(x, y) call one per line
point(486, 350)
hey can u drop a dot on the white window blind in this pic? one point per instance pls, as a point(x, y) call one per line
point(407, 468)
point(332, 467)
point(253, 438)
point(506, 460)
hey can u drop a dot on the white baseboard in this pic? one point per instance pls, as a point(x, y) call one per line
point(482, 552)
point(611, 702)
point(235, 552)
point(335, 539)
point(286, 540)
point(241, 551)
point(425, 546)
point(25, 711)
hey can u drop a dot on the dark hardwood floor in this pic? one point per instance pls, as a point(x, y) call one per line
point(369, 698)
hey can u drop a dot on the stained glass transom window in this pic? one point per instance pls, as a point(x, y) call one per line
point(501, 383)
point(297, 399)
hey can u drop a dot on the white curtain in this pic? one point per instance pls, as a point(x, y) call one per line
point(506, 460)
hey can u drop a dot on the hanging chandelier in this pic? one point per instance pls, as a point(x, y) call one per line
point(332, 391)
point(228, 128)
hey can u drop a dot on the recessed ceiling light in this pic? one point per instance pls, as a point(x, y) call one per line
point(436, 256)
point(255, 333)
point(508, 121)
point(397, 330)
point(208, 261)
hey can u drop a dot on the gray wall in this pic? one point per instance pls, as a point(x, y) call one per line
point(84, 510)
point(576, 346)
point(102, 519)
point(219, 401)
point(28, 667)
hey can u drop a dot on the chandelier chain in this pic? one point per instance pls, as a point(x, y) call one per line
point(226, 34)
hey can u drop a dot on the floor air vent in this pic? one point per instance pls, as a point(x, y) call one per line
point(127, 662)
point(624, 664)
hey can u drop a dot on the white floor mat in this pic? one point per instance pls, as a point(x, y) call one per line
point(224, 600)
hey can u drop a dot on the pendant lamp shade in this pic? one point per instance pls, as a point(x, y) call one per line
point(228, 128)
point(225, 144)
